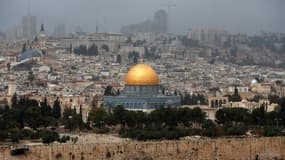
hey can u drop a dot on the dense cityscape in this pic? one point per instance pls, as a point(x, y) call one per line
point(138, 85)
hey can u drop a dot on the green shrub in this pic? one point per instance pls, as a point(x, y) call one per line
point(236, 130)
point(273, 131)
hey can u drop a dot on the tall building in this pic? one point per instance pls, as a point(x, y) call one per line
point(160, 22)
point(141, 92)
point(29, 24)
point(14, 33)
point(59, 30)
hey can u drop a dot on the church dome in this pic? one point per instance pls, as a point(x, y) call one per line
point(142, 74)
point(29, 54)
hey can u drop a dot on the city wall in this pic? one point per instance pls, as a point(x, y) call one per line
point(214, 149)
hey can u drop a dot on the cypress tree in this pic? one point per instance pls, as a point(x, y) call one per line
point(56, 112)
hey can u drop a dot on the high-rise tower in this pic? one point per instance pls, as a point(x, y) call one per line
point(29, 24)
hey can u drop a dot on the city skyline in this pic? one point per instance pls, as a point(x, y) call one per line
point(238, 17)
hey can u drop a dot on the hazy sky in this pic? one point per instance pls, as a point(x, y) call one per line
point(246, 16)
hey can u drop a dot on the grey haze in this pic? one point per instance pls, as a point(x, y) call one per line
point(245, 16)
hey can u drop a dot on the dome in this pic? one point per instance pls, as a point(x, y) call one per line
point(29, 54)
point(142, 74)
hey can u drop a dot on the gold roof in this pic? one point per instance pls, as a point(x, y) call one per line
point(142, 74)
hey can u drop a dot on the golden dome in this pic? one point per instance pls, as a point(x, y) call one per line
point(142, 74)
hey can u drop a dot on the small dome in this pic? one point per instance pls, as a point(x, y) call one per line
point(254, 81)
point(142, 74)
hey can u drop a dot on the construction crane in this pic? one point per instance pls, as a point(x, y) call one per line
point(169, 5)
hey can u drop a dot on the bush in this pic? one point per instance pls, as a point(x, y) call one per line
point(26, 134)
point(209, 129)
point(49, 136)
point(64, 139)
point(14, 135)
point(273, 131)
point(236, 130)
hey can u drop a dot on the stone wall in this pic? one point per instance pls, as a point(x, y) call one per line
point(220, 149)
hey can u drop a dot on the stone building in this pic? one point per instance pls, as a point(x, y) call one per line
point(141, 92)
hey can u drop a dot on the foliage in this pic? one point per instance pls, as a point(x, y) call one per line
point(236, 130)
point(71, 120)
point(119, 59)
point(105, 47)
point(83, 50)
point(163, 123)
point(235, 97)
point(14, 100)
point(150, 53)
point(193, 99)
point(98, 117)
point(134, 56)
point(24, 47)
point(31, 76)
point(232, 115)
point(56, 111)
point(49, 136)
point(109, 91)
point(273, 131)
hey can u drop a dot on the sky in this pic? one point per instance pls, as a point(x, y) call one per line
point(237, 16)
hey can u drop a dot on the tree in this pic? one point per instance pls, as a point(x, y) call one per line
point(209, 128)
point(235, 97)
point(258, 116)
point(109, 91)
point(105, 47)
point(163, 90)
point(92, 50)
point(129, 40)
point(198, 116)
point(8, 66)
point(32, 117)
point(118, 92)
point(49, 137)
point(70, 48)
point(120, 116)
point(119, 59)
point(45, 108)
point(98, 117)
point(56, 112)
point(24, 47)
point(81, 50)
point(134, 56)
point(232, 116)
point(14, 100)
point(31, 76)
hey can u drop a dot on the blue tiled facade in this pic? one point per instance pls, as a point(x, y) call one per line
point(144, 98)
